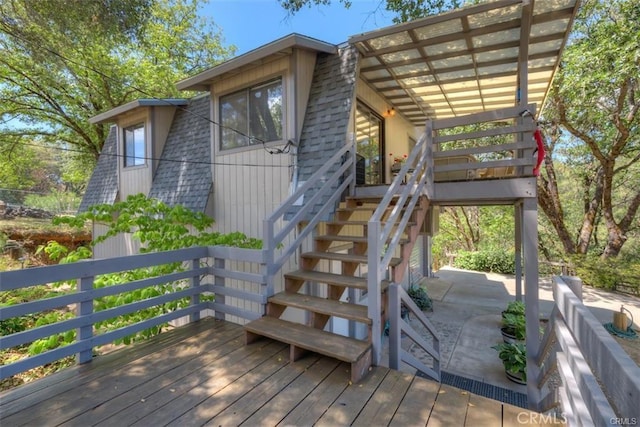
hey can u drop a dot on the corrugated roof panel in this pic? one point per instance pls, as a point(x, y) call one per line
point(498, 37)
point(456, 61)
point(451, 26)
point(403, 55)
point(495, 16)
point(397, 39)
point(448, 47)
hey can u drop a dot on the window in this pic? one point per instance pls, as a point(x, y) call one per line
point(251, 116)
point(134, 150)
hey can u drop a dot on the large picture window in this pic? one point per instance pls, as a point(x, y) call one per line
point(134, 147)
point(251, 116)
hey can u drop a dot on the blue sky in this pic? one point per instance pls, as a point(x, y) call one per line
point(249, 24)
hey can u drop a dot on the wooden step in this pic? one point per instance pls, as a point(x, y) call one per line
point(335, 256)
point(301, 338)
point(332, 279)
point(328, 278)
point(326, 306)
point(355, 239)
point(363, 223)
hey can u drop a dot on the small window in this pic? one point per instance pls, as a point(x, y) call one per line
point(134, 148)
point(251, 116)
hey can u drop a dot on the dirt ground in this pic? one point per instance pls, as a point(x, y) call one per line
point(632, 347)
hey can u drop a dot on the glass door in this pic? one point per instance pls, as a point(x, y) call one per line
point(369, 146)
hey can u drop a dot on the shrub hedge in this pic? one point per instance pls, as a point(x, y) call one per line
point(492, 260)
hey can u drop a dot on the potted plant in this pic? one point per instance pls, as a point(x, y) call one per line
point(514, 328)
point(514, 307)
point(514, 359)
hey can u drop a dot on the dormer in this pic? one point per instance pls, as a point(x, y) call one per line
point(260, 96)
point(142, 127)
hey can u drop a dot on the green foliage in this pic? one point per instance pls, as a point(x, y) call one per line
point(515, 325)
point(515, 307)
point(55, 201)
point(159, 228)
point(514, 358)
point(66, 61)
point(609, 273)
point(496, 261)
point(419, 295)
point(406, 10)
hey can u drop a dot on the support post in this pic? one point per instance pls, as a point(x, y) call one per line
point(374, 298)
point(394, 326)
point(517, 209)
point(195, 283)
point(532, 309)
point(85, 308)
point(217, 280)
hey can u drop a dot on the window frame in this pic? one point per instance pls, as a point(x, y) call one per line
point(247, 91)
point(136, 156)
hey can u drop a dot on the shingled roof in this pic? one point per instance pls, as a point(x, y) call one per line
point(103, 184)
point(183, 176)
point(326, 120)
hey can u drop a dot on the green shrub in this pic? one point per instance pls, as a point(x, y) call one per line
point(492, 260)
point(606, 273)
point(420, 297)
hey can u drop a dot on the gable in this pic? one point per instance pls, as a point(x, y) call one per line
point(183, 176)
point(103, 184)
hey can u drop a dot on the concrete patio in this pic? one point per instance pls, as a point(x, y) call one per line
point(467, 308)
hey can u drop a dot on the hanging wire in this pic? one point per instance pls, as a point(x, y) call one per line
point(284, 150)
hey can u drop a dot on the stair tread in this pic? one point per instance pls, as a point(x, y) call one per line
point(329, 278)
point(345, 257)
point(358, 239)
point(320, 305)
point(316, 340)
point(332, 279)
point(410, 223)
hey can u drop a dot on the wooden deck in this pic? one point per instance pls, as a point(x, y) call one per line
point(203, 374)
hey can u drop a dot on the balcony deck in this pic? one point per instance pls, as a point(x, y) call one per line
point(203, 374)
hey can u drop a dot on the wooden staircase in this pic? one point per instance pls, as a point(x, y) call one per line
point(343, 240)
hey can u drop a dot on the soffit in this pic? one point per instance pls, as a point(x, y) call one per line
point(468, 60)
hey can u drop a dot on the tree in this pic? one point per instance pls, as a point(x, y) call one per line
point(406, 10)
point(593, 126)
point(65, 61)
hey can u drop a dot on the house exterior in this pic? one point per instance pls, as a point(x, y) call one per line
point(452, 97)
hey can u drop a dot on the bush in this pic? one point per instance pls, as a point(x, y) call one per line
point(420, 297)
point(607, 273)
point(492, 260)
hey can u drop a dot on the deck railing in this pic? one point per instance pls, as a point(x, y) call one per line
point(383, 241)
point(600, 384)
point(501, 146)
point(191, 283)
point(328, 185)
point(398, 327)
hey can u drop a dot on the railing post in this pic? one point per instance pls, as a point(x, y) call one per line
point(195, 283)
point(85, 308)
point(269, 256)
point(354, 158)
point(428, 153)
point(374, 298)
point(394, 326)
point(219, 281)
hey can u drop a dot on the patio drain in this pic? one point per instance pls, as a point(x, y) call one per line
point(483, 389)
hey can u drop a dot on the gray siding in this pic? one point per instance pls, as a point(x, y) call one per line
point(326, 121)
point(103, 184)
point(184, 172)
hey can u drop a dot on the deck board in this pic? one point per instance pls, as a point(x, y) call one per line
point(203, 374)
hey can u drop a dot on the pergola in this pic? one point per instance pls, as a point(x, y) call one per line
point(478, 58)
